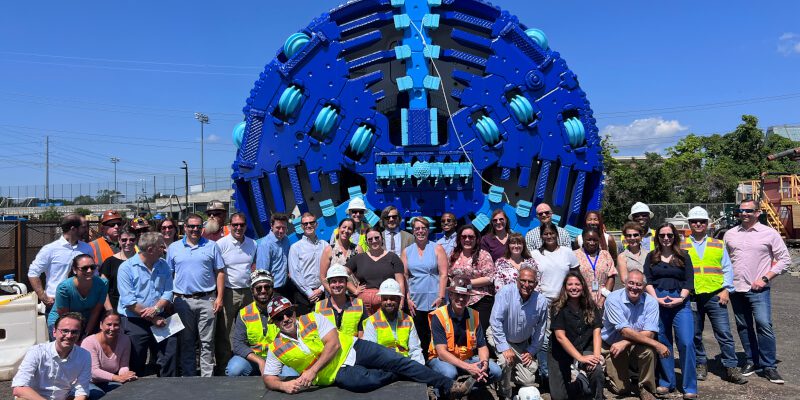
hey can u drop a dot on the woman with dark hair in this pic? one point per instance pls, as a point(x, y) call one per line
point(127, 249)
point(83, 292)
point(168, 229)
point(516, 257)
point(372, 268)
point(596, 265)
point(607, 242)
point(110, 350)
point(340, 250)
point(576, 328)
point(470, 261)
point(554, 261)
point(496, 242)
point(670, 279)
point(632, 258)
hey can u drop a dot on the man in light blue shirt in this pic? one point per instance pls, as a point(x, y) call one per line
point(517, 330)
point(144, 282)
point(448, 239)
point(304, 257)
point(198, 288)
point(273, 254)
point(630, 329)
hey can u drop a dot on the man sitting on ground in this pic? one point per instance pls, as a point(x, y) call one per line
point(392, 328)
point(252, 333)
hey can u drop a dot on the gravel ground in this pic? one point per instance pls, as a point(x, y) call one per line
point(785, 297)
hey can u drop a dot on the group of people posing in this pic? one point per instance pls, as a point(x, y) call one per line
point(374, 305)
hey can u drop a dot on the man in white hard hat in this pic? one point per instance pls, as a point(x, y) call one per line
point(345, 312)
point(713, 282)
point(392, 328)
point(357, 210)
point(641, 214)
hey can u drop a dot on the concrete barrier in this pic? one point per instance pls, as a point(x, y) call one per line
point(21, 326)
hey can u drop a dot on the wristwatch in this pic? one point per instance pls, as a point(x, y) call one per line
point(765, 279)
point(605, 292)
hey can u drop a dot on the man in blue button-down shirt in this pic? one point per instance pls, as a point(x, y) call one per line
point(199, 283)
point(144, 282)
point(630, 328)
point(273, 254)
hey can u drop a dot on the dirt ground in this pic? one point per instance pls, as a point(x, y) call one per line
point(785, 299)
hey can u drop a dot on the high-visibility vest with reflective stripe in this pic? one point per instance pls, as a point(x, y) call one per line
point(257, 338)
point(386, 337)
point(100, 250)
point(708, 275)
point(462, 352)
point(290, 355)
point(350, 317)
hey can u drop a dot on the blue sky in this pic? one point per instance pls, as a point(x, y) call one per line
point(123, 78)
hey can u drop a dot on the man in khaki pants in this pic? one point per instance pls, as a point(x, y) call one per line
point(630, 328)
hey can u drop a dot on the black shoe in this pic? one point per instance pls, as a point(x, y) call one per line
point(702, 372)
point(734, 376)
point(772, 375)
point(749, 369)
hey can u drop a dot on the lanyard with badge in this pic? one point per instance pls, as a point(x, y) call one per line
point(595, 285)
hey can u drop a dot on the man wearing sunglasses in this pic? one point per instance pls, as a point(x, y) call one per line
point(58, 369)
point(55, 258)
point(448, 224)
point(394, 239)
point(533, 239)
point(641, 214)
point(215, 227)
point(758, 255)
point(108, 243)
point(304, 256)
point(713, 282)
point(311, 345)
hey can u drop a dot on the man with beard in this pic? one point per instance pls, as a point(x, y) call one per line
point(630, 329)
point(346, 313)
point(392, 328)
point(58, 369)
point(215, 227)
point(311, 345)
point(108, 243)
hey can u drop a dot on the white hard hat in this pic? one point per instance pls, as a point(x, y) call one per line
point(528, 393)
point(639, 207)
point(356, 204)
point(390, 287)
point(697, 213)
point(336, 271)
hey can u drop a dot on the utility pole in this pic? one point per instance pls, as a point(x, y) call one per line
point(185, 169)
point(203, 120)
point(115, 160)
point(46, 169)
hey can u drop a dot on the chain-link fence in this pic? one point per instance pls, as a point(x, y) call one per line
point(20, 241)
point(720, 213)
point(8, 248)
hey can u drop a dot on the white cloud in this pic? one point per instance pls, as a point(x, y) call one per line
point(212, 138)
point(645, 135)
point(789, 43)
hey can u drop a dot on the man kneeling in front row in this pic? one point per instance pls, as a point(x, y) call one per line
point(311, 345)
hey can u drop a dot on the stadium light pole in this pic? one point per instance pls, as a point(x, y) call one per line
point(114, 199)
point(185, 169)
point(203, 118)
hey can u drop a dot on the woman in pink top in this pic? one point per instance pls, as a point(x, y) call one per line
point(470, 261)
point(110, 350)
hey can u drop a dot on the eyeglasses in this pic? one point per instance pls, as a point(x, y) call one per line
point(86, 268)
point(67, 332)
point(166, 227)
point(544, 213)
point(128, 240)
point(698, 221)
point(393, 216)
point(468, 237)
point(214, 214)
point(746, 211)
point(448, 220)
point(498, 220)
point(356, 212)
point(192, 226)
point(527, 281)
point(112, 224)
point(632, 235)
point(374, 239)
point(641, 214)
point(262, 288)
point(666, 235)
point(420, 228)
point(282, 315)
point(635, 284)
point(308, 223)
point(240, 225)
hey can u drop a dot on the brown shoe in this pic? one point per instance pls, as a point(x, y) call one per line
point(461, 388)
point(644, 394)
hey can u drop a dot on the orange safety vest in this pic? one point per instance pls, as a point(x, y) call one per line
point(462, 352)
point(101, 250)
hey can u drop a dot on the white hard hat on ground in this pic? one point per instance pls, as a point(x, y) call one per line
point(697, 213)
point(336, 271)
point(356, 204)
point(639, 207)
point(528, 393)
point(390, 287)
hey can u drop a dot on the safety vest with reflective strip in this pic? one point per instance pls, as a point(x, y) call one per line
point(462, 352)
point(386, 337)
point(258, 338)
point(292, 356)
point(708, 275)
point(101, 250)
point(350, 317)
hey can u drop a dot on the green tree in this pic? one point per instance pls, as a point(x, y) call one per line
point(83, 211)
point(84, 200)
point(51, 214)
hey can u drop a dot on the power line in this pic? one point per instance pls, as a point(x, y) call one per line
point(126, 68)
point(698, 107)
point(126, 61)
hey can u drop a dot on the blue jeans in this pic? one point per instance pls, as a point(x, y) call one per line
point(98, 390)
point(377, 366)
point(681, 320)
point(238, 366)
point(758, 340)
point(708, 304)
point(450, 370)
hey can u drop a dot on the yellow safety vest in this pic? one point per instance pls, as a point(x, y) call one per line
point(350, 318)
point(292, 356)
point(708, 275)
point(462, 352)
point(385, 335)
point(257, 337)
